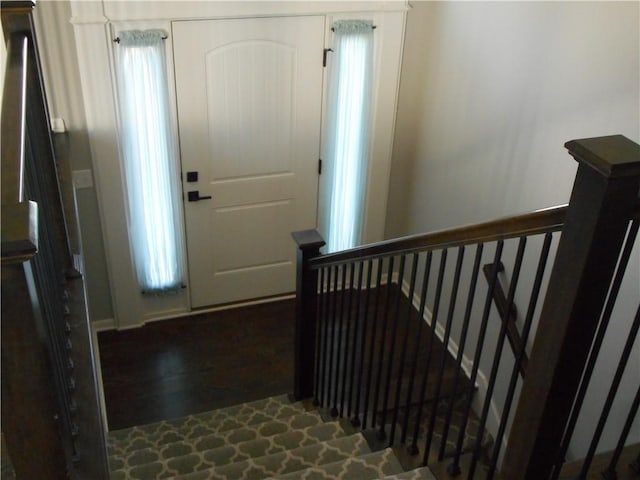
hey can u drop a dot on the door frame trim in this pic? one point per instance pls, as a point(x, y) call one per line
point(93, 27)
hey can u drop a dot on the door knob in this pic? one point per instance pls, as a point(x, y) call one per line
point(194, 196)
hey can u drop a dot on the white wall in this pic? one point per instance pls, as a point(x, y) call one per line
point(489, 94)
point(56, 43)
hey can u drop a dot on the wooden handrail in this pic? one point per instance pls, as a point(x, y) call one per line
point(538, 222)
point(19, 218)
point(14, 105)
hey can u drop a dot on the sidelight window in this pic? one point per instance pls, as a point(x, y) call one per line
point(347, 132)
point(149, 154)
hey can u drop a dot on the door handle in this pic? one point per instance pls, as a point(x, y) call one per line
point(194, 196)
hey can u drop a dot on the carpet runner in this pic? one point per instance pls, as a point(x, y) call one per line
point(269, 438)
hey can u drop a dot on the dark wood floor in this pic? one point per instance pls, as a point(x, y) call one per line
point(178, 367)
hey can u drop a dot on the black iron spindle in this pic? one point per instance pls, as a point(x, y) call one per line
point(325, 337)
point(445, 343)
point(354, 343)
point(413, 449)
point(432, 341)
point(610, 472)
point(392, 350)
point(454, 468)
point(331, 337)
point(47, 273)
point(515, 373)
point(383, 341)
point(615, 384)
point(405, 341)
point(348, 320)
point(317, 391)
point(497, 357)
point(355, 420)
point(595, 349)
point(461, 346)
point(372, 348)
point(335, 411)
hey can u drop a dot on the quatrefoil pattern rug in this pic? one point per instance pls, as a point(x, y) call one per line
point(270, 438)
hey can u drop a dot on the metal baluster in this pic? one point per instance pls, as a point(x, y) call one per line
point(515, 373)
point(497, 356)
point(454, 468)
point(383, 342)
point(610, 472)
point(326, 367)
point(392, 352)
point(624, 358)
point(432, 340)
point(320, 327)
point(405, 341)
point(597, 343)
point(355, 420)
point(372, 349)
point(332, 334)
point(349, 319)
point(445, 343)
point(413, 449)
point(463, 340)
point(354, 344)
point(335, 411)
point(47, 276)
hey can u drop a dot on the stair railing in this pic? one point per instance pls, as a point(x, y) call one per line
point(51, 418)
point(510, 316)
point(357, 356)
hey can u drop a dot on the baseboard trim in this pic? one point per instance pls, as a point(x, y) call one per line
point(100, 325)
point(229, 306)
point(103, 325)
point(110, 323)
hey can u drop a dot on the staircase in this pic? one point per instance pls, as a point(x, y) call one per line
point(343, 304)
point(269, 438)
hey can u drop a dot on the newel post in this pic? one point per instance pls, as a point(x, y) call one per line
point(309, 243)
point(604, 195)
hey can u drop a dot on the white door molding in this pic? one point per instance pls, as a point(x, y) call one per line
point(93, 26)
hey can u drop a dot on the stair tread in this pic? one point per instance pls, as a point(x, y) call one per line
point(152, 463)
point(365, 467)
point(287, 461)
point(246, 413)
point(228, 432)
point(422, 473)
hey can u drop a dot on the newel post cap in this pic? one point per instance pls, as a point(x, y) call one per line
point(306, 239)
point(613, 156)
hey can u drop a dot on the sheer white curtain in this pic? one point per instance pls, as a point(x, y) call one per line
point(347, 133)
point(150, 160)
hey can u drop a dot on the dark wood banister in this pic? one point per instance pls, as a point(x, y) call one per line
point(19, 217)
point(594, 223)
point(549, 219)
point(38, 284)
point(603, 200)
point(538, 222)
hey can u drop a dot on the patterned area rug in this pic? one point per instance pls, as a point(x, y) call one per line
point(270, 438)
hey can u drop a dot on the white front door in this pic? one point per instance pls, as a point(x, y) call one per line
point(249, 95)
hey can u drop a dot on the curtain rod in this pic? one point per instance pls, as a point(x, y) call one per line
point(117, 39)
point(373, 27)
